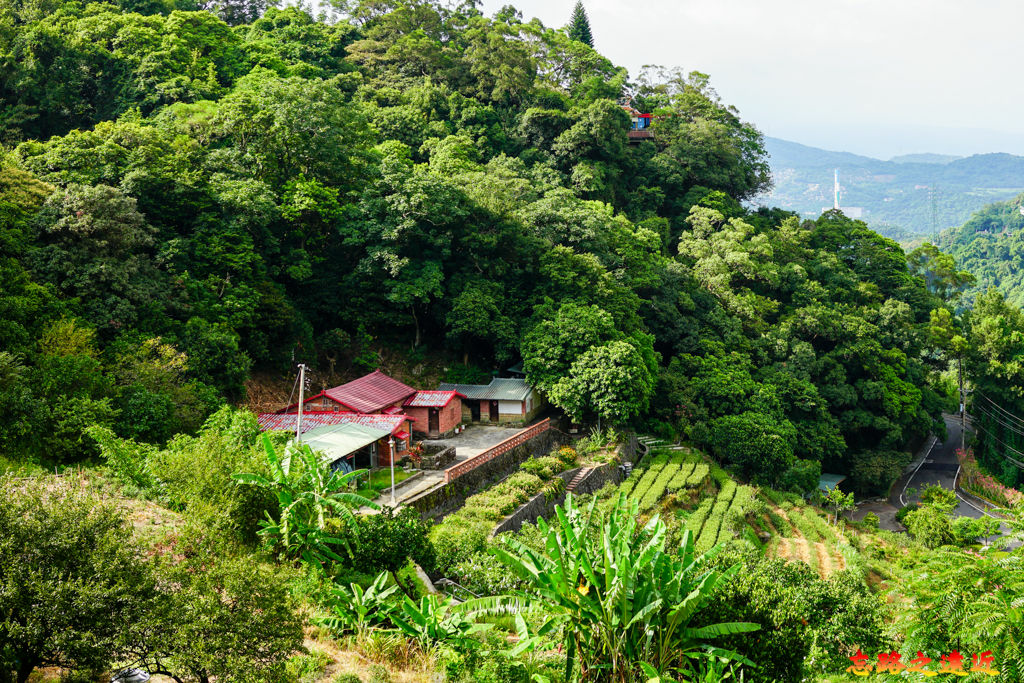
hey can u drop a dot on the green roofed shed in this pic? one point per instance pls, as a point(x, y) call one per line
point(343, 440)
point(827, 482)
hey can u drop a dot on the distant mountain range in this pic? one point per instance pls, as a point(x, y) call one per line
point(905, 198)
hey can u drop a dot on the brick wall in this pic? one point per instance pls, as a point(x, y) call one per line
point(419, 417)
point(450, 416)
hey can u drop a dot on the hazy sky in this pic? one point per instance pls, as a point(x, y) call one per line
point(875, 77)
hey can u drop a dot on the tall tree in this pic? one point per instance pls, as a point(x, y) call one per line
point(579, 25)
point(70, 578)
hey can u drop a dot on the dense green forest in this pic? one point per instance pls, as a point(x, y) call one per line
point(195, 194)
point(989, 247)
point(988, 244)
point(188, 199)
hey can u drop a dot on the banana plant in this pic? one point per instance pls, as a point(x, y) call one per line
point(307, 494)
point(437, 619)
point(619, 600)
point(356, 610)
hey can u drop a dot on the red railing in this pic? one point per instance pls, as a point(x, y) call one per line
point(453, 473)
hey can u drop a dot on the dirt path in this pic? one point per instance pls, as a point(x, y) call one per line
point(800, 551)
point(839, 560)
point(824, 560)
point(792, 527)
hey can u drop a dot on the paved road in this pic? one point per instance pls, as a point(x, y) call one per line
point(939, 466)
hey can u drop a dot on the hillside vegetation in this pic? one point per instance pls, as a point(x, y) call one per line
point(989, 245)
point(195, 196)
point(429, 179)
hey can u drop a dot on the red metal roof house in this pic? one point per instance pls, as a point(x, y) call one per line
point(374, 400)
point(373, 393)
point(434, 413)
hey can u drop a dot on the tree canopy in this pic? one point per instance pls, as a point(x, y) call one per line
point(207, 194)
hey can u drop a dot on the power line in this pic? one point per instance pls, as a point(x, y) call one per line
point(1016, 462)
point(1002, 409)
point(1016, 429)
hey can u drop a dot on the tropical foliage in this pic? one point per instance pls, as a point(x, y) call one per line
point(307, 496)
point(618, 598)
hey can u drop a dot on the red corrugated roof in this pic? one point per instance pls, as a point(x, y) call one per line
point(370, 393)
point(312, 420)
point(431, 399)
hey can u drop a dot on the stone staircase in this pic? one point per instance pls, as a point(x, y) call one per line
point(580, 476)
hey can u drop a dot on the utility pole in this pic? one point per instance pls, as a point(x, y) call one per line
point(302, 386)
point(963, 404)
point(391, 457)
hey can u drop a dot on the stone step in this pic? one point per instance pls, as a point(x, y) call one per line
point(580, 476)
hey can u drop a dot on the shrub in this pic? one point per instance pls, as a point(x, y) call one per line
point(483, 574)
point(306, 668)
point(798, 612)
point(455, 543)
point(347, 678)
point(567, 455)
point(696, 521)
point(870, 521)
point(930, 526)
point(681, 476)
point(781, 525)
point(657, 487)
point(700, 473)
point(901, 514)
point(554, 488)
point(805, 525)
point(545, 467)
point(388, 540)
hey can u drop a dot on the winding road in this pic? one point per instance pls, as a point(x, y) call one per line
point(939, 467)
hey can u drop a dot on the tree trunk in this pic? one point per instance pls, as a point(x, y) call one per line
point(416, 321)
point(405, 589)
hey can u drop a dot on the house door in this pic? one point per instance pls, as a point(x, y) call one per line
point(432, 422)
point(474, 410)
point(494, 411)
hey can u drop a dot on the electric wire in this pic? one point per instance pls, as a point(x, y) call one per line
point(1016, 462)
point(1002, 409)
point(1019, 431)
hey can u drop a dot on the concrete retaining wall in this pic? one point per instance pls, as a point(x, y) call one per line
point(437, 503)
point(539, 506)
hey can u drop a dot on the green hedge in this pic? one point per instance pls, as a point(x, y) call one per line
point(678, 480)
point(696, 520)
point(700, 473)
point(464, 533)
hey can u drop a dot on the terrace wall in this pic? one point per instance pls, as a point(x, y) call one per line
point(538, 506)
point(500, 463)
